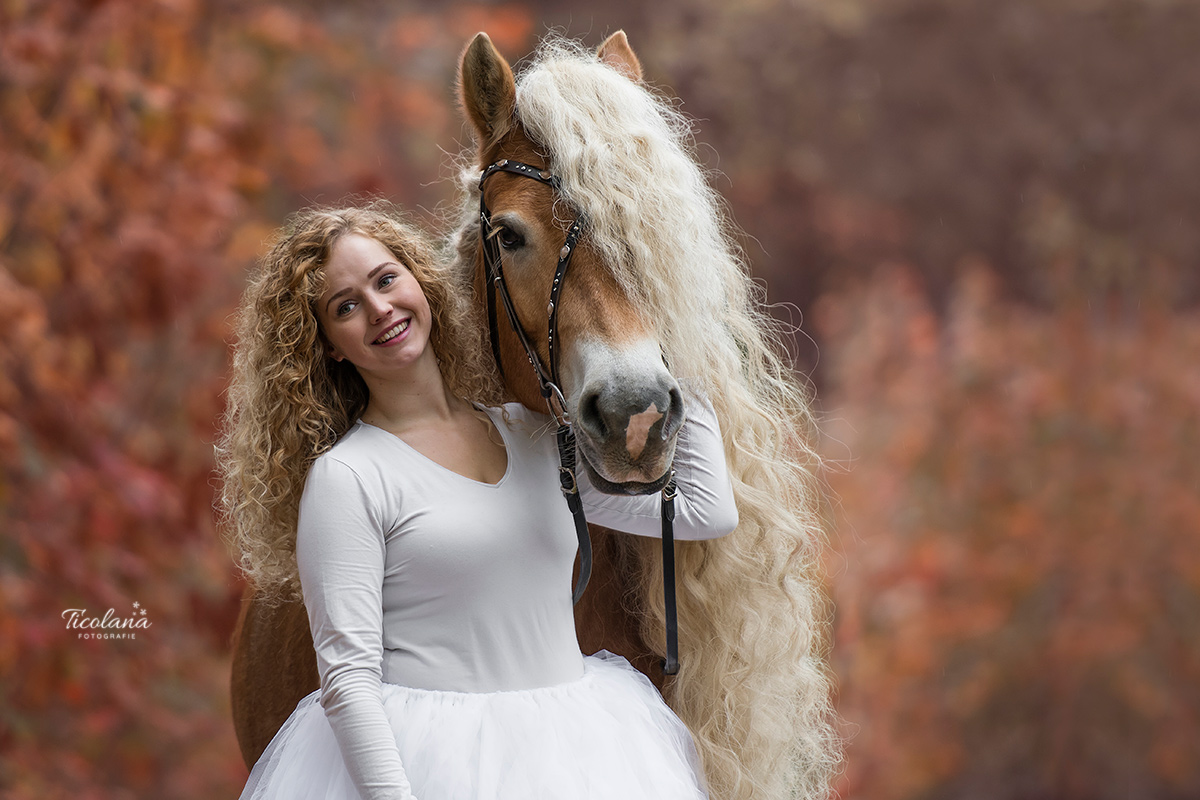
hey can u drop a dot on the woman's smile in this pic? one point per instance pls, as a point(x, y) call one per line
point(393, 334)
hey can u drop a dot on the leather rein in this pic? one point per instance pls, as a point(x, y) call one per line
point(550, 387)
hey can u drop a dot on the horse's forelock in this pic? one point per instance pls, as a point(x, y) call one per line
point(625, 158)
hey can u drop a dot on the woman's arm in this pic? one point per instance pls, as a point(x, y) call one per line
point(340, 552)
point(704, 507)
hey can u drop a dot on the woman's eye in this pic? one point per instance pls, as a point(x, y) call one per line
point(345, 308)
point(386, 280)
point(509, 239)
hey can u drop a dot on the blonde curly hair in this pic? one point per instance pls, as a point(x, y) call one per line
point(289, 401)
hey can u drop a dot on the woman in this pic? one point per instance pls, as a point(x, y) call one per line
point(430, 541)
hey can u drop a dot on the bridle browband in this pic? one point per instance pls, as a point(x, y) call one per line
point(550, 387)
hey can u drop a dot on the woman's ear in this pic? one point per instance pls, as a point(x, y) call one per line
point(330, 350)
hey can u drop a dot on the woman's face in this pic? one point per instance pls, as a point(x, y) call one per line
point(373, 311)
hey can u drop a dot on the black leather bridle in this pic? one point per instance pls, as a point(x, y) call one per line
point(550, 386)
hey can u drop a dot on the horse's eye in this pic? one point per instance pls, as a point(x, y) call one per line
point(510, 239)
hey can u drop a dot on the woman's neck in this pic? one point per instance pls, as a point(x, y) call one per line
point(403, 400)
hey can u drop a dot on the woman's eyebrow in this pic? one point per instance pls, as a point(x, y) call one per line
point(348, 289)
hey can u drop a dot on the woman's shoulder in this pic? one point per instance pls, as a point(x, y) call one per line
point(353, 445)
point(529, 430)
point(355, 454)
point(515, 414)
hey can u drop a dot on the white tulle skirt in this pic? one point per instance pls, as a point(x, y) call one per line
point(607, 735)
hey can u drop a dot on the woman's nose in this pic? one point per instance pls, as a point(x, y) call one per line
point(378, 306)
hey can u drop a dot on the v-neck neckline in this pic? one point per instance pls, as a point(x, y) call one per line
point(442, 467)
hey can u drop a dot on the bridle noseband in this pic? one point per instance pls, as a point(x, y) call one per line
point(551, 389)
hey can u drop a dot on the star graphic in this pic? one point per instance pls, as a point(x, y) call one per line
point(136, 604)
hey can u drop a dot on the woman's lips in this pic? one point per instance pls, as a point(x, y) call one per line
point(393, 333)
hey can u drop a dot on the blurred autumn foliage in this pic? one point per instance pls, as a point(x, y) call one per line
point(986, 213)
point(1018, 570)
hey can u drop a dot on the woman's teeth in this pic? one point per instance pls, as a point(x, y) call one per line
point(393, 332)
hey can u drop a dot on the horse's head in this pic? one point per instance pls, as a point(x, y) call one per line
point(626, 406)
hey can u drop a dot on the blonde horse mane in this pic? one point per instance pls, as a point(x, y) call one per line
point(754, 688)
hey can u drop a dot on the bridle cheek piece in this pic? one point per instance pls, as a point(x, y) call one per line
point(550, 386)
point(548, 379)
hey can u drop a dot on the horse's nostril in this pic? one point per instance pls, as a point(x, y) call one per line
point(674, 416)
point(590, 416)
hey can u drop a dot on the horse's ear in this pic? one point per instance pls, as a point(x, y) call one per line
point(486, 89)
point(616, 53)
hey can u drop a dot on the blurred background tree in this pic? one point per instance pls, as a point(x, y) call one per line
point(982, 215)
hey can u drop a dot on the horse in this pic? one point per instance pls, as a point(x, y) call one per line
point(658, 299)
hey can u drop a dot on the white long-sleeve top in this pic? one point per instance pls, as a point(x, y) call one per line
point(416, 575)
